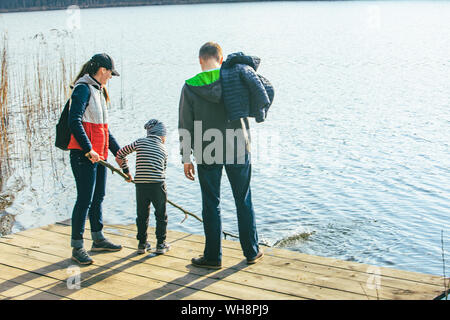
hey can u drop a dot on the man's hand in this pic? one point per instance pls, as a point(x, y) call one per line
point(189, 171)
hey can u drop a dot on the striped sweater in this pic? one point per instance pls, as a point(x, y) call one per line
point(151, 159)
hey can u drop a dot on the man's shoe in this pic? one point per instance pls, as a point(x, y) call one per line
point(105, 245)
point(81, 256)
point(143, 247)
point(203, 263)
point(257, 258)
point(162, 248)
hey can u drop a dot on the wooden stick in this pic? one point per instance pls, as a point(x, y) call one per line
point(123, 175)
point(186, 213)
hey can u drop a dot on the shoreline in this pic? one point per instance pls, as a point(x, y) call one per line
point(7, 220)
point(131, 4)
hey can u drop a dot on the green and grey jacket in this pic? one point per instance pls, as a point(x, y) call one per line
point(203, 127)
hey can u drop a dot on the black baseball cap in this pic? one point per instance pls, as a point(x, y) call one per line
point(105, 61)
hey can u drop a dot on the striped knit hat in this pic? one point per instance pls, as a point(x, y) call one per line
point(155, 127)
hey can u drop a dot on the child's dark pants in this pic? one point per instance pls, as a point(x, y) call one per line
point(146, 194)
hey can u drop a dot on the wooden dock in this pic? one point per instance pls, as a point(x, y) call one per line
point(36, 264)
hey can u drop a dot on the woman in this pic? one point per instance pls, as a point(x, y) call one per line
point(89, 143)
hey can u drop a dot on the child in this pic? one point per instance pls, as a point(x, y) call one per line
point(151, 164)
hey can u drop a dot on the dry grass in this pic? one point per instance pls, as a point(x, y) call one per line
point(4, 116)
point(32, 96)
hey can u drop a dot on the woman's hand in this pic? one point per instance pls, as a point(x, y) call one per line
point(130, 177)
point(93, 156)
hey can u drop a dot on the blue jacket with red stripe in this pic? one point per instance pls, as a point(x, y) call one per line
point(88, 119)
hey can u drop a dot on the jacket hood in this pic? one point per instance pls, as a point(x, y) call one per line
point(241, 58)
point(87, 79)
point(207, 85)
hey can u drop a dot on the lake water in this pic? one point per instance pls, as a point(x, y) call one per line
point(356, 145)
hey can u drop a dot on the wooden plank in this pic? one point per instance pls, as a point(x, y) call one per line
point(61, 287)
point(390, 277)
point(39, 295)
point(21, 276)
point(181, 278)
point(326, 276)
point(23, 259)
point(32, 278)
point(105, 280)
point(391, 288)
point(281, 272)
point(266, 282)
point(276, 283)
point(324, 261)
point(17, 291)
point(40, 283)
point(10, 289)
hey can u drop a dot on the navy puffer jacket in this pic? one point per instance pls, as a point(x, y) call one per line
point(245, 93)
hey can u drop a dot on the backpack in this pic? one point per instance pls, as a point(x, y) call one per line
point(62, 128)
point(63, 132)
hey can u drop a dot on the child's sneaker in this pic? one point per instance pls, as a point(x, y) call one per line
point(143, 247)
point(162, 248)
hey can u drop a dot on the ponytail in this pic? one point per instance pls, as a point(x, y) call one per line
point(91, 68)
point(106, 95)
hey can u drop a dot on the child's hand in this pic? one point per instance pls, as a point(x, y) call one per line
point(130, 177)
point(120, 161)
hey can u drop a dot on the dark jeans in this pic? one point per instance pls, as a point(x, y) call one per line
point(156, 194)
point(90, 179)
point(239, 177)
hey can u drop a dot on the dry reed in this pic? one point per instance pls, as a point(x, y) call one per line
point(4, 117)
point(37, 91)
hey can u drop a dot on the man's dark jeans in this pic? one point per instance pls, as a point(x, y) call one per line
point(239, 177)
point(156, 194)
point(90, 179)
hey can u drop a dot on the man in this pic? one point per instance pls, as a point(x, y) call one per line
point(216, 143)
